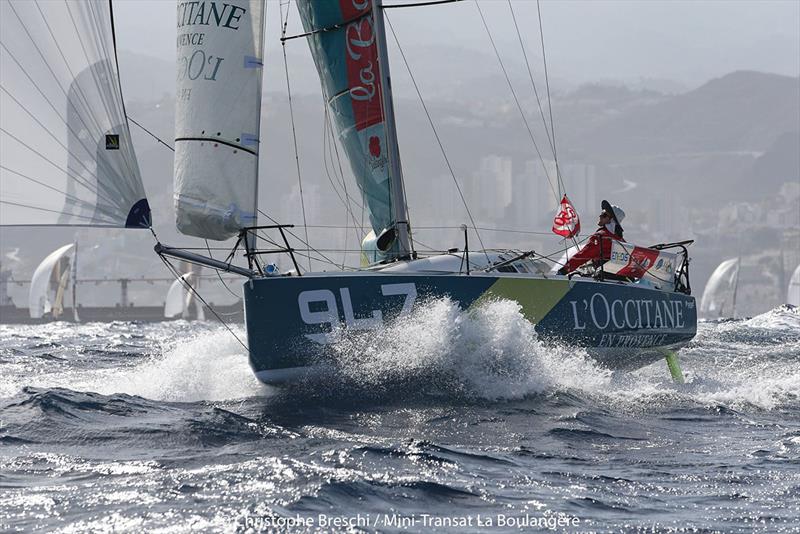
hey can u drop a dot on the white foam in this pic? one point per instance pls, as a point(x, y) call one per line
point(211, 366)
point(491, 352)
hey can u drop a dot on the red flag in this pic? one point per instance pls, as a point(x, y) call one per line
point(566, 223)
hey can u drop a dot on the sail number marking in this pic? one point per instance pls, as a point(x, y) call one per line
point(327, 312)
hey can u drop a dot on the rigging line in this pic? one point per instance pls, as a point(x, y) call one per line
point(329, 142)
point(64, 121)
point(78, 88)
point(109, 223)
point(294, 130)
point(393, 152)
point(74, 199)
point(422, 4)
point(530, 75)
point(516, 100)
point(65, 171)
point(325, 152)
point(549, 100)
point(57, 140)
point(208, 248)
point(288, 231)
point(435, 133)
point(189, 287)
point(49, 68)
point(96, 75)
point(128, 155)
point(151, 134)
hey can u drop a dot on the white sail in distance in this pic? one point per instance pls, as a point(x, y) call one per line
point(719, 294)
point(67, 155)
point(793, 293)
point(218, 115)
point(39, 294)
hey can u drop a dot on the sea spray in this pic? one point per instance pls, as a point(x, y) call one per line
point(490, 353)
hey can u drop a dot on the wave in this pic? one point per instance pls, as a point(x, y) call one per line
point(439, 353)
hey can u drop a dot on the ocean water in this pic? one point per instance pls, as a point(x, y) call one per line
point(443, 422)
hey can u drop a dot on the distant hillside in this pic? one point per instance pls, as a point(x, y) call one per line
point(741, 112)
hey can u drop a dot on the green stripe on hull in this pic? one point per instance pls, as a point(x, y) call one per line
point(536, 297)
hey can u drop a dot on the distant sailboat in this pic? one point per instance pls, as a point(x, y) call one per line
point(182, 303)
point(719, 295)
point(48, 284)
point(793, 292)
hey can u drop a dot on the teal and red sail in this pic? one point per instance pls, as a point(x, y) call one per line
point(344, 43)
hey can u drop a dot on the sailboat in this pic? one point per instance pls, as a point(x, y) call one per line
point(632, 312)
point(635, 309)
point(793, 292)
point(719, 295)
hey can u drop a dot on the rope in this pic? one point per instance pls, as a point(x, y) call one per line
point(285, 22)
point(557, 195)
point(189, 287)
point(151, 134)
point(549, 100)
point(436, 134)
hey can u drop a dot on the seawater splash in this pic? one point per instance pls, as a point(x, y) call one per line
point(212, 366)
point(175, 361)
point(488, 353)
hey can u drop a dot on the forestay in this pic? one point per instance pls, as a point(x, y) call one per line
point(217, 117)
point(343, 42)
point(67, 157)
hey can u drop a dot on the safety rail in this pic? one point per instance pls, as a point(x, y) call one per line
point(637, 268)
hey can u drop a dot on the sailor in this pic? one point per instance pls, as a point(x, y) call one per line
point(598, 249)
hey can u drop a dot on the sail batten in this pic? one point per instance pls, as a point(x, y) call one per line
point(68, 158)
point(218, 115)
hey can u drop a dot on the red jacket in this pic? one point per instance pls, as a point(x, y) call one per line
point(592, 250)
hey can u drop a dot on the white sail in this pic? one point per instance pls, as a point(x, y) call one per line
point(720, 292)
point(180, 300)
point(67, 156)
point(39, 302)
point(177, 297)
point(217, 116)
point(793, 293)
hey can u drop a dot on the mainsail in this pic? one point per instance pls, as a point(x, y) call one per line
point(217, 116)
point(348, 44)
point(720, 292)
point(64, 136)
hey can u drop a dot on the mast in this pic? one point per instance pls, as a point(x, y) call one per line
point(399, 209)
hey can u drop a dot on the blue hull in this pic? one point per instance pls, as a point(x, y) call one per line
point(292, 321)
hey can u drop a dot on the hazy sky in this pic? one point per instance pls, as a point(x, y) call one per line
point(685, 41)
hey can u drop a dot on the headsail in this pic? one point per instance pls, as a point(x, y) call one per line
point(67, 152)
point(348, 44)
point(720, 292)
point(218, 115)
